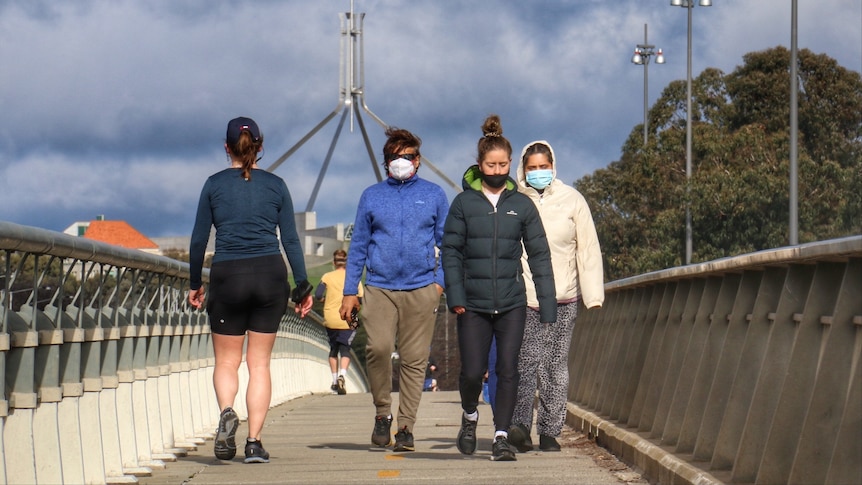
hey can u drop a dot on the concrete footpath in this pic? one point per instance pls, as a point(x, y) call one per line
point(325, 438)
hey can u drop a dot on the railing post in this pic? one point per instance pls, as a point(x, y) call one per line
point(71, 356)
point(18, 440)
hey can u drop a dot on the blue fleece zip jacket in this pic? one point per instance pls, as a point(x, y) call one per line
point(398, 226)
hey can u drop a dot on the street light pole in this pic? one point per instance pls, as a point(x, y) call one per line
point(642, 54)
point(794, 128)
point(688, 5)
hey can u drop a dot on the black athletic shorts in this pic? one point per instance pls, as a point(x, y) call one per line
point(247, 294)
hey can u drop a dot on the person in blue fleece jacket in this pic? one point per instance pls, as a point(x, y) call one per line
point(396, 236)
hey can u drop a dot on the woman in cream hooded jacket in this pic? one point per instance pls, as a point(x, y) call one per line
point(577, 262)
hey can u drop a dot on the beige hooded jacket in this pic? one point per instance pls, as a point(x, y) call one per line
point(575, 253)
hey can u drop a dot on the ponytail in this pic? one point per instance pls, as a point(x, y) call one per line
point(245, 150)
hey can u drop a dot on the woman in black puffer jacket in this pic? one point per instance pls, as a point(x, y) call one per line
point(488, 227)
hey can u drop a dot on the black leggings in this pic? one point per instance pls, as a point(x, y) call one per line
point(247, 294)
point(475, 331)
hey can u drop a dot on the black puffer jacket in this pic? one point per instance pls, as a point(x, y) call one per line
point(482, 250)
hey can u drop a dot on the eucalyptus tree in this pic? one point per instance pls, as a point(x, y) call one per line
point(739, 190)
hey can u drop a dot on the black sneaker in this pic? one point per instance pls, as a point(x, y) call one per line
point(382, 435)
point(254, 452)
point(339, 387)
point(519, 437)
point(548, 443)
point(225, 440)
point(334, 388)
point(403, 440)
point(502, 450)
point(467, 436)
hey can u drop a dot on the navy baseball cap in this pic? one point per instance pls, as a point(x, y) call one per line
point(237, 125)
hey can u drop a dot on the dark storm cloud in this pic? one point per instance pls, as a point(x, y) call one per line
point(118, 108)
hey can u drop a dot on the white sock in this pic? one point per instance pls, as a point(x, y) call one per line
point(474, 416)
point(501, 433)
point(342, 372)
point(334, 377)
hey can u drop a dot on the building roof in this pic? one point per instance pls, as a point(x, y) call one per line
point(118, 233)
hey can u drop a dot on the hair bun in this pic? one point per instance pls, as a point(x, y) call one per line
point(492, 126)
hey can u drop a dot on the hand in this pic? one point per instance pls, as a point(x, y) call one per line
point(301, 292)
point(348, 304)
point(439, 289)
point(303, 307)
point(459, 310)
point(196, 297)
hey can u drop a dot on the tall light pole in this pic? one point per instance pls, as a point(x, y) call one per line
point(688, 5)
point(794, 128)
point(642, 54)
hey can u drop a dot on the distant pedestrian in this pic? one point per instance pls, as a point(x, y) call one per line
point(543, 364)
point(330, 291)
point(430, 381)
point(248, 280)
point(491, 376)
point(488, 225)
point(398, 228)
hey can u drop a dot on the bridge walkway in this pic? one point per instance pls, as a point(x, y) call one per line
point(325, 438)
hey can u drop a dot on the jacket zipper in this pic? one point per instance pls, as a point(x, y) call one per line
point(495, 214)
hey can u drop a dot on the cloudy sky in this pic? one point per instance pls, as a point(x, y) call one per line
point(118, 107)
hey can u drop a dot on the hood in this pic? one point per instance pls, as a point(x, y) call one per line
point(472, 180)
point(522, 177)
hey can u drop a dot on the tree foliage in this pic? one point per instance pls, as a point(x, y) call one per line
point(739, 189)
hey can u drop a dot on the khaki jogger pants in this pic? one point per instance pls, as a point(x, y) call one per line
point(408, 318)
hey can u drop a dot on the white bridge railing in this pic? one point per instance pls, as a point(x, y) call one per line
point(742, 370)
point(107, 371)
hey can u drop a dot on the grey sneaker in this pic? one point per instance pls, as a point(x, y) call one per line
point(502, 450)
point(254, 452)
point(382, 434)
point(339, 386)
point(467, 436)
point(403, 440)
point(519, 437)
point(225, 440)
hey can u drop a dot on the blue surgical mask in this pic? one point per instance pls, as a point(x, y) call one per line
point(539, 179)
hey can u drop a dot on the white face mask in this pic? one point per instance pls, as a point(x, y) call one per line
point(401, 169)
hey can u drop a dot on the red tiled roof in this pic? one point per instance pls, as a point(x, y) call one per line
point(118, 233)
